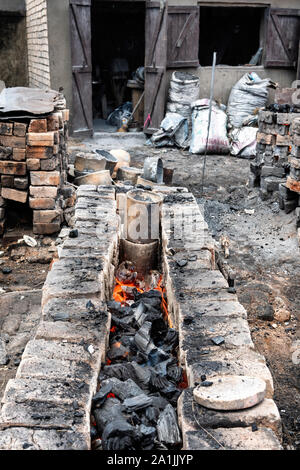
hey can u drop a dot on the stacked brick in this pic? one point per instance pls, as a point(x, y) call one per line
point(274, 141)
point(293, 181)
point(33, 168)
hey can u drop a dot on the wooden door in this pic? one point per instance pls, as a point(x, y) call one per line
point(183, 36)
point(282, 38)
point(82, 115)
point(155, 64)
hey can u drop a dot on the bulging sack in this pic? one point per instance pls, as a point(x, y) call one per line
point(247, 95)
point(243, 142)
point(218, 142)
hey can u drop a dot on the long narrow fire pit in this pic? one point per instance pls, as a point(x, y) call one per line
point(120, 344)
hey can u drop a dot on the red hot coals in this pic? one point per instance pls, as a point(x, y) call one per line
point(135, 407)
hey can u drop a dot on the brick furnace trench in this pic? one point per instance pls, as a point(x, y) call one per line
point(48, 404)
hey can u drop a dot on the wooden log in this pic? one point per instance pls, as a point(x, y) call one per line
point(45, 178)
point(39, 152)
point(20, 129)
point(13, 141)
point(42, 139)
point(6, 128)
point(37, 126)
point(14, 195)
point(19, 154)
point(12, 168)
point(7, 181)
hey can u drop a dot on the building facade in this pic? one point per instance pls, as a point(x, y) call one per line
point(84, 46)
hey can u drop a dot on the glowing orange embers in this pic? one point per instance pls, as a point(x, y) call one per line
point(127, 283)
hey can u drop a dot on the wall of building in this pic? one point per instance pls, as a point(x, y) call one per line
point(37, 44)
point(60, 47)
point(13, 64)
point(226, 77)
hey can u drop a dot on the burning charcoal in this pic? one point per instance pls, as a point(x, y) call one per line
point(166, 388)
point(158, 401)
point(142, 375)
point(124, 390)
point(117, 352)
point(100, 396)
point(119, 435)
point(148, 295)
point(172, 338)
point(126, 272)
point(124, 324)
point(161, 367)
point(158, 383)
point(154, 302)
point(152, 414)
point(117, 309)
point(156, 356)
point(167, 427)
point(143, 340)
point(174, 373)
point(139, 314)
point(148, 436)
point(119, 371)
point(158, 331)
point(111, 410)
point(137, 403)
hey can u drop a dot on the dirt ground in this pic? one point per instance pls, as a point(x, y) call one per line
point(265, 256)
point(23, 271)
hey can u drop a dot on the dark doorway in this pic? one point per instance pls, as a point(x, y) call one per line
point(234, 33)
point(118, 49)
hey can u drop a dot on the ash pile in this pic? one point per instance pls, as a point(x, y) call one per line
point(135, 406)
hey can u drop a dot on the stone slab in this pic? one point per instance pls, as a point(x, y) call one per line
point(231, 439)
point(219, 360)
point(231, 392)
point(36, 439)
point(47, 390)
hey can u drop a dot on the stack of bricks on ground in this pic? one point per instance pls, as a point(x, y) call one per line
point(33, 168)
point(276, 147)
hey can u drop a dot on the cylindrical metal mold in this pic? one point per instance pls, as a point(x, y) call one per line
point(144, 256)
point(154, 169)
point(143, 216)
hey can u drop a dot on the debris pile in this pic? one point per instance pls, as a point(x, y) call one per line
point(275, 145)
point(135, 406)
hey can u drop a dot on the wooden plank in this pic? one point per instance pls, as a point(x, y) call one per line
point(183, 36)
point(14, 195)
point(282, 38)
point(155, 65)
point(42, 139)
point(80, 14)
point(12, 141)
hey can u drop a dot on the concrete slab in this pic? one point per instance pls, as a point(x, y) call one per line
point(231, 392)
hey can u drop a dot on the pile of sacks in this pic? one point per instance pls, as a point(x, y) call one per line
point(233, 128)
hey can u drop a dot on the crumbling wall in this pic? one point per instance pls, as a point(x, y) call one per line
point(37, 43)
